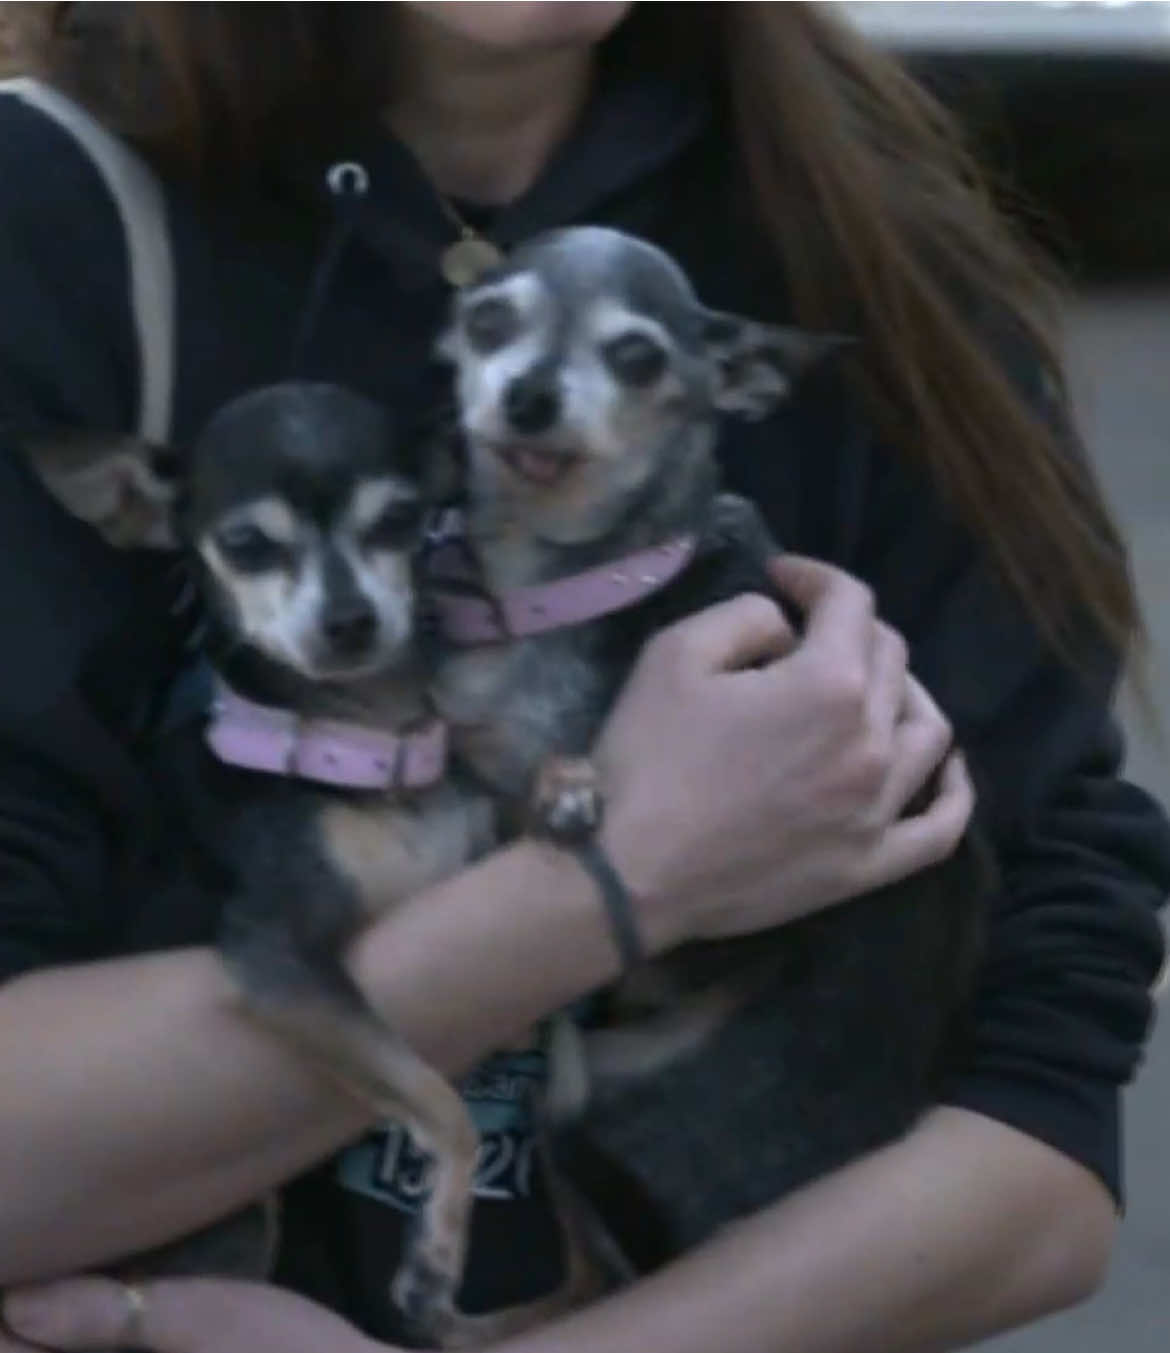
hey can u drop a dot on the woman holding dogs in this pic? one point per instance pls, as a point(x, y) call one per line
point(940, 519)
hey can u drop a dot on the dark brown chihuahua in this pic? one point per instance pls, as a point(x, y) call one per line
point(310, 791)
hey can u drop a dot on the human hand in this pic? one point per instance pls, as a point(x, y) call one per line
point(179, 1315)
point(751, 778)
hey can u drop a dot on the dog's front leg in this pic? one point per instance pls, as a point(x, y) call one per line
point(311, 1001)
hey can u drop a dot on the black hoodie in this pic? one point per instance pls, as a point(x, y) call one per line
point(1063, 1008)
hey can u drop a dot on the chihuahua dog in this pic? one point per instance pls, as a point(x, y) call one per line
point(590, 383)
point(313, 794)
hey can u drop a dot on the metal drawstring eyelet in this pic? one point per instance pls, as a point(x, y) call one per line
point(348, 178)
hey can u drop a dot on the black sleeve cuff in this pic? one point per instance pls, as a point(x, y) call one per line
point(1080, 1118)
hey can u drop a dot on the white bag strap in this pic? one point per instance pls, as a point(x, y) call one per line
point(142, 207)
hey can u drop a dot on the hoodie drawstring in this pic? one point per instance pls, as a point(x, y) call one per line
point(348, 182)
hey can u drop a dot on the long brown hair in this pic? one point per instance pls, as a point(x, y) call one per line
point(882, 225)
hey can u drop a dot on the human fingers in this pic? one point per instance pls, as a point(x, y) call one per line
point(803, 580)
point(9, 1343)
point(921, 741)
point(886, 691)
point(839, 614)
point(183, 1315)
point(87, 1313)
point(920, 840)
point(729, 636)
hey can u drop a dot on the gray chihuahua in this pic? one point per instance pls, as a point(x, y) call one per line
point(590, 386)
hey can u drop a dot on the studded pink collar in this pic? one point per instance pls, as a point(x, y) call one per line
point(470, 619)
point(327, 751)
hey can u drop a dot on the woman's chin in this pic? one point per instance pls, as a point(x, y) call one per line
point(521, 24)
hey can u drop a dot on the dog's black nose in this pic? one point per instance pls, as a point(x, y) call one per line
point(350, 627)
point(532, 404)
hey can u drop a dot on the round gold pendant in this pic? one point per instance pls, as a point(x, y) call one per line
point(466, 261)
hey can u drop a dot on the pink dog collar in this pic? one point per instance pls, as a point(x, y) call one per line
point(328, 751)
point(567, 601)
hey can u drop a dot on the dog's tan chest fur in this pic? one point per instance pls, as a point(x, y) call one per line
point(390, 850)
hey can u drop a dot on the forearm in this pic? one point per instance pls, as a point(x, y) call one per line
point(139, 1102)
point(962, 1229)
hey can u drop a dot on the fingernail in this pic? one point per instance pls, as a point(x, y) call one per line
point(29, 1314)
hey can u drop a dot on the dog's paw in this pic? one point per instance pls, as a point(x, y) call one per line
point(567, 802)
point(424, 1290)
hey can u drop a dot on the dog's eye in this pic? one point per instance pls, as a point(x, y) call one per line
point(247, 548)
point(635, 359)
point(491, 323)
point(396, 527)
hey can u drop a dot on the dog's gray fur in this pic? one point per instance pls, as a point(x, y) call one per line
point(769, 1059)
point(642, 467)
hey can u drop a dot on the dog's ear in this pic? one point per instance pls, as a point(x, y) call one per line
point(125, 489)
point(757, 365)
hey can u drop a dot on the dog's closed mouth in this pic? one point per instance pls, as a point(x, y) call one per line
point(543, 465)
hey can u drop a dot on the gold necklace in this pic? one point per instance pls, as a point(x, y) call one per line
point(465, 261)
